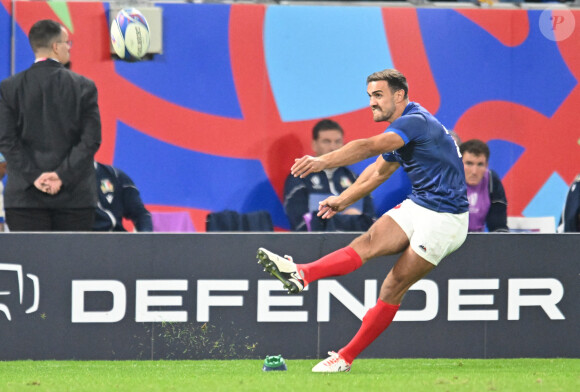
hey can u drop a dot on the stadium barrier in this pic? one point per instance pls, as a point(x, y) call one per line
point(198, 296)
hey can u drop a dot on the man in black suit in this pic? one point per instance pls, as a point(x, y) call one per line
point(50, 130)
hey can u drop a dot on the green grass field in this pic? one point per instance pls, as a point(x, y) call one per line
point(367, 375)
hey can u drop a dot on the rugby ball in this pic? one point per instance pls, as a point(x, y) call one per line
point(130, 34)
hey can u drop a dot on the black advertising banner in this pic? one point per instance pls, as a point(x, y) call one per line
point(198, 296)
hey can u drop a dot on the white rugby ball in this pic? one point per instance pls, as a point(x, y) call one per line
point(130, 34)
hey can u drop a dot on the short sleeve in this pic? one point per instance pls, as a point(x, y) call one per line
point(409, 127)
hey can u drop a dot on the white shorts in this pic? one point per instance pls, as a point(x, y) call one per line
point(432, 235)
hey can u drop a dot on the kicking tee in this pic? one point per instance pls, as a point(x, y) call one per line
point(431, 159)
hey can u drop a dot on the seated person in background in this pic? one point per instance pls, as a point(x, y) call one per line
point(2, 172)
point(118, 198)
point(570, 220)
point(302, 195)
point(485, 192)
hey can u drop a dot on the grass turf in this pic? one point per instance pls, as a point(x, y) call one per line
point(406, 375)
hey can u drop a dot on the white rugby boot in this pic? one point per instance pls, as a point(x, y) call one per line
point(282, 268)
point(333, 364)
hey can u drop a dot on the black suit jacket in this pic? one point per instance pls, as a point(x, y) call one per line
point(49, 121)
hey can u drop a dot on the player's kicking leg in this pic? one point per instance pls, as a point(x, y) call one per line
point(282, 268)
point(297, 276)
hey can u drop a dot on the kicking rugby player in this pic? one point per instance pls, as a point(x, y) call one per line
point(426, 227)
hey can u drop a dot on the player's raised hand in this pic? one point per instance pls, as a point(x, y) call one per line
point(306, 165)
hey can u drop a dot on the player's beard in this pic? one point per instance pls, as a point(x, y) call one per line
point(384, 114)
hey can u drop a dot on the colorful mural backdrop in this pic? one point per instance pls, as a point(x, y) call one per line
point(216, 120)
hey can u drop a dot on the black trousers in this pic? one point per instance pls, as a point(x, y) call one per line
point(43, 219)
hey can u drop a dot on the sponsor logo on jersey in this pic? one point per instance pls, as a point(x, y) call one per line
point(345, 182)
point(316, 182)
point(107, 186)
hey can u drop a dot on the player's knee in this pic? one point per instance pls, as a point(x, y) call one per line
point(362, 246)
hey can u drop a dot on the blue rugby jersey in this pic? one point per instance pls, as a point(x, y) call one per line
point(431, 159)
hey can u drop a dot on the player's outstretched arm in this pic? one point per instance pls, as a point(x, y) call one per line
point(373, 176)
point(352, 152)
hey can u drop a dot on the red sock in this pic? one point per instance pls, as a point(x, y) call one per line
point(377, 319)
point(340, 262)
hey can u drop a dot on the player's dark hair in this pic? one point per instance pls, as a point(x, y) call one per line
point(396, 80)
point(43, 34)
point(475, 147)
point(325, 125)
